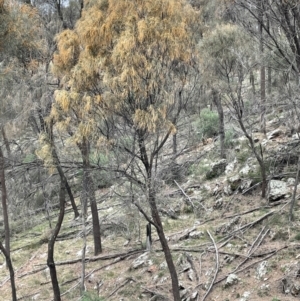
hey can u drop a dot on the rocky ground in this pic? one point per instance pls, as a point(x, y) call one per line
point(227, 242)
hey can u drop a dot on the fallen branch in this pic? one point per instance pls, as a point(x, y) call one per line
point(188, 198)
point(249, 225)
point(105, 257)
point(120, 286)
point(251, 264)
point(217, 267)
point(32, 272)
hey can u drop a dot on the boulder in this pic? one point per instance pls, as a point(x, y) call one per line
point(231, 280)
point(234, 182)
point(216, 169)
point(261, 270)
point(140, 261)
point(277, 190)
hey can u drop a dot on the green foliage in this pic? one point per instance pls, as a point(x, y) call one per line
point(208, 123)
point(88, 296)
point(29, 158)
point(243, 155)
point(199, 169)
point(229, 136)
point(297, 237)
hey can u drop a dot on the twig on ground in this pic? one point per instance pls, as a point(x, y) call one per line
point(32, 272)
point(251, 264)
point(96, 258)
point(191, 262)
point(256, 239)
point(188, 198)
point(217, 267)
point(120, 286)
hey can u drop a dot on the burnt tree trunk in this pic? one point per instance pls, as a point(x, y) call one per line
point(262, 68)
point(4, 204)
point(217, 102)
point(148, 164)
point(6, 250)
point(88, 186)
point(11, 272)
point(64, 179)
point(50, 259)
point(164, 244)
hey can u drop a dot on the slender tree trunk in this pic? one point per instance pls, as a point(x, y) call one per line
point(88, 185)
point(11, 272)
point(48, 131)
point(6, 250)
point(6, 142)
point(291, 217)
point(165, 246)
point(82, 286)
point(62, 176)
point(4, 204)
point(252, 82)
point(50, 259)
point(259, 158)
point(217, 102)
point(174, 145)
point(260, 4)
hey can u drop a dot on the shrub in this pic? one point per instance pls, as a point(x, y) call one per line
point(208, 123)
point(229, 137)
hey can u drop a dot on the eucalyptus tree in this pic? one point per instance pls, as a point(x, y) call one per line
point(126, 64)
point(228, 62)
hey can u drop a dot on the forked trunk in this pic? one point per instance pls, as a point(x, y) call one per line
point(50, 259)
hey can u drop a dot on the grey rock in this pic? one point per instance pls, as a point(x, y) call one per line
point(245, 296)
point(261, 270)
point(277, 190)
point(140, 261)
point(231, 280)
point(234, 182)
point(196, 234)
point(216, 169)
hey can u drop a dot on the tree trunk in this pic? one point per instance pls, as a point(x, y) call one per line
point(63, 177)
point(50, 259)
point(164, 244)
point(293, 201)
point(259, 157)
point(11, 272)
point(88, 185)
point(6, 250)
point(217, 102)
point(262, 68)
point(4, 204)
point(6, 142)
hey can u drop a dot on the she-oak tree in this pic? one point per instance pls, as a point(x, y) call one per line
point(127, 64)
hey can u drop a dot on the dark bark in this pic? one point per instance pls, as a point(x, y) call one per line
point(293, 201)
point(81, 8)
point(89, 192)
point(258, 156)
point(64, 179)
point(154, 211)
point(11, 272)
point(6, 250)
point(6, 142)
point(260, 5)
point(50, 259)
point(217, 102)
point(4, 204)
point(164, 244)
